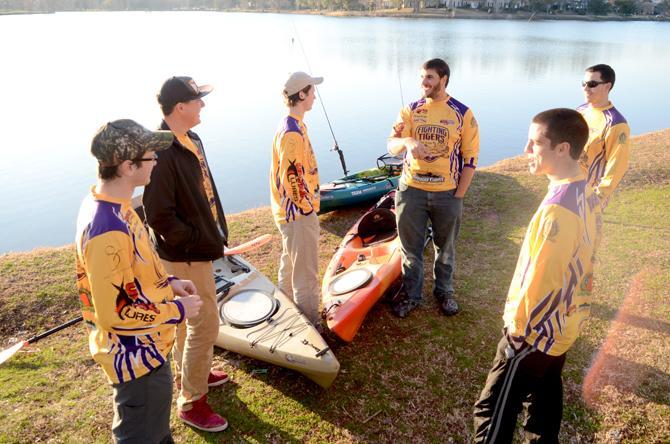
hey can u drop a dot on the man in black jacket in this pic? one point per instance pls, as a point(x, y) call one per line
point(184, 211)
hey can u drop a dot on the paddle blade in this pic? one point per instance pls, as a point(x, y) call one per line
point(11, 351)
point(248, 246)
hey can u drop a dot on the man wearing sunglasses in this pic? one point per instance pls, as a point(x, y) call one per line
point(606, 154)
point(184, 211)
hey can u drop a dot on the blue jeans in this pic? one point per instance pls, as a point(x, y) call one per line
point(414, 208)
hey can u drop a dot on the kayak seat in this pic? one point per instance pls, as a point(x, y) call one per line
point(378, 225)
point(387, 201)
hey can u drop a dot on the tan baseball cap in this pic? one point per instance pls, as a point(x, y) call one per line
point(299, 80)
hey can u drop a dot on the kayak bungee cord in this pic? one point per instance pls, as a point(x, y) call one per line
point(323, 107)
point(267, 332)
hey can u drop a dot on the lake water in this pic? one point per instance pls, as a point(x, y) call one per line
point(65, 74)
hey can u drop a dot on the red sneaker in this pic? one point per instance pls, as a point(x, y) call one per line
point(203, 418)
point(214, 379)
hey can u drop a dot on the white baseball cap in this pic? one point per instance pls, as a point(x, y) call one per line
point(299, 80)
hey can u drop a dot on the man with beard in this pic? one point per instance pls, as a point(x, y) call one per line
point(439, 138)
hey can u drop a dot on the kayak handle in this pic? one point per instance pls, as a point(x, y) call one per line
point(322, 352)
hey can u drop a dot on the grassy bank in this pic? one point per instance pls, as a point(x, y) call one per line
point(411, 380)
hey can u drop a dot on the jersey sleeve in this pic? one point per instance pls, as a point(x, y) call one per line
point(402, 126)
point(617, 151)
point(292, 171)
point(470, 140)
point(114, 292)
point(539, 276)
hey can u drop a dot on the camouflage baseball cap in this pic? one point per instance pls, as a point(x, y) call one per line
point(126, 139)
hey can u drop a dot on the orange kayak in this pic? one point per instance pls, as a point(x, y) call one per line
point(365, 266)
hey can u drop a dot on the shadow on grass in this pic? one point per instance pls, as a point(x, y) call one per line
point(427, 369)
point(416, 379)
point(642, 380)
point(243, 424)
point(610, 313)
point(15, 364)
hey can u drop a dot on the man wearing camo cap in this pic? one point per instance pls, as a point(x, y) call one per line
point(128, 300)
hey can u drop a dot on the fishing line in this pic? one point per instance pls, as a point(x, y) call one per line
point(323, 107)
point(402, 99)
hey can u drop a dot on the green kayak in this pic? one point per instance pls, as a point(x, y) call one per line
point(361, 187)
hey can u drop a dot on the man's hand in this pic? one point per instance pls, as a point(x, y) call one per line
point(183, 287)
point(464, 182)
point(191, 304)
point(415, 148)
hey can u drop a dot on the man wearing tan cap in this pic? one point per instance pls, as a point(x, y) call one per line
point(294, 196)
point(128, 300)
point(185, 214)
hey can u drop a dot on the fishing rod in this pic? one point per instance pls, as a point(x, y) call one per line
point(323, 107)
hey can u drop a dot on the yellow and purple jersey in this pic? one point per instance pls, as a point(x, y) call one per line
point(550, 295)
point(607, 152)
point(294, 175)
point(127, 302)
point(448, 129)
point(204, 169)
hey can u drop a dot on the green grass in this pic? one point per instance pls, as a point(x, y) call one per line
point(410, 380)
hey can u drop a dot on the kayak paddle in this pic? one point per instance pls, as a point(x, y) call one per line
point(248, 246)
point(14, 349)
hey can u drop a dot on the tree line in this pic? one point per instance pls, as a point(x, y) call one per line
point(595, 7)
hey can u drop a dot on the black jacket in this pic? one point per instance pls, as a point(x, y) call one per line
point(177, 208)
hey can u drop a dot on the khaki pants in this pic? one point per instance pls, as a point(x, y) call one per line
point(299, 264)
point(194, 345)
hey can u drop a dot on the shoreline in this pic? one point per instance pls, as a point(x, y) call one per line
point(430, 13)
point(494, 166)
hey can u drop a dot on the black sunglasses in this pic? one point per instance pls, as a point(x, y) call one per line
point(592, 83)
point(146, 159)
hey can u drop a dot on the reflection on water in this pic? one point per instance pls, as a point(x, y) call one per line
point(95, 67)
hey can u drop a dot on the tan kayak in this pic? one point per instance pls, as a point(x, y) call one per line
point(259, 321)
